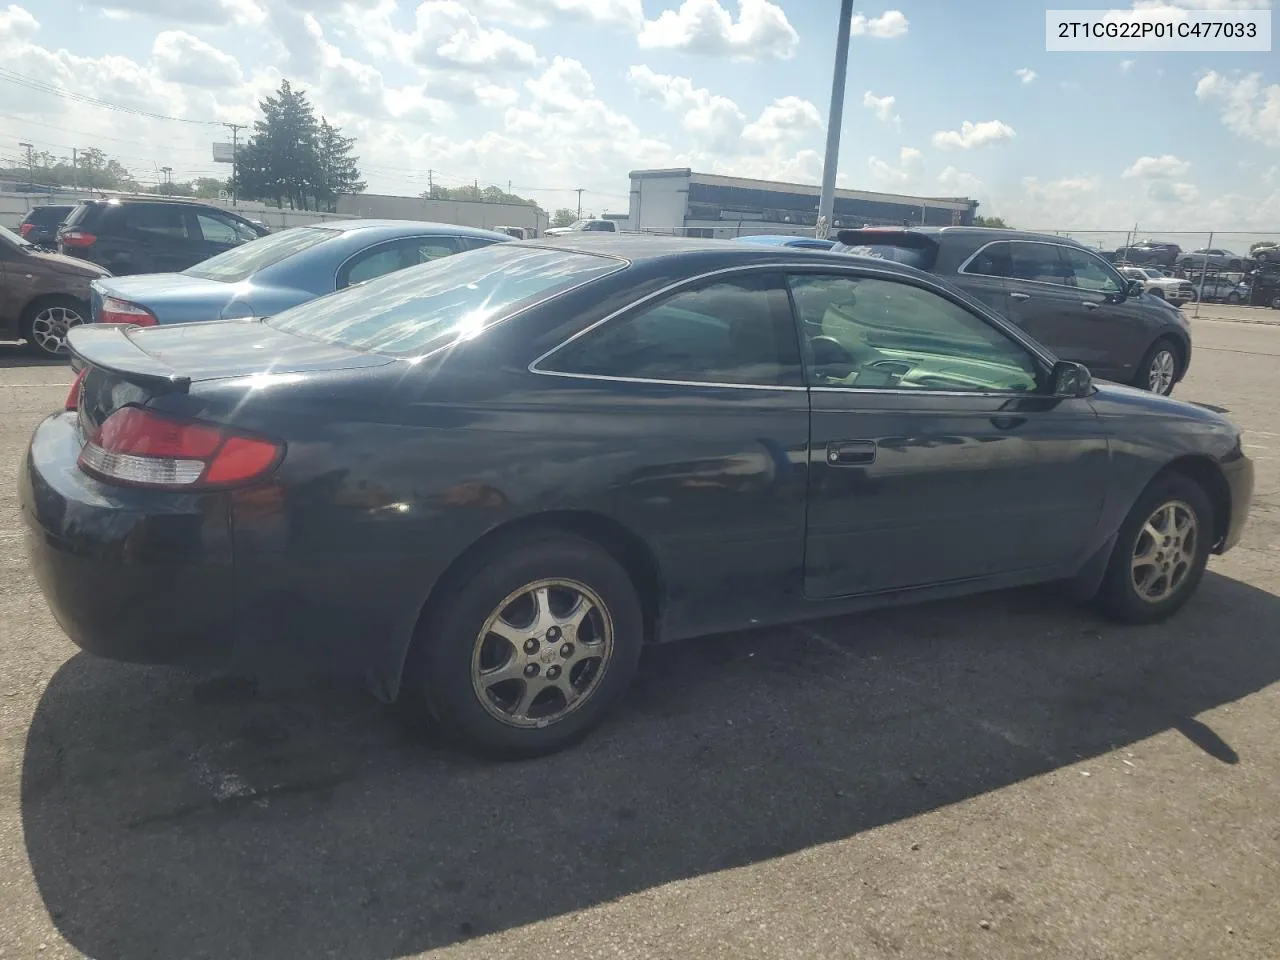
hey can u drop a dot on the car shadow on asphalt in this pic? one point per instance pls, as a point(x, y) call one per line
point(18, 355)
point(167, 816)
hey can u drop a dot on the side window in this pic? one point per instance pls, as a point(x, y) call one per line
point(474, 243)
point(424, 249)
point(374, 262)
point(733, 331)
point(158, 219)
point(993, 260)
point(1037, 261)
point(1087, 272)
point(868, 333)
point(216, 229)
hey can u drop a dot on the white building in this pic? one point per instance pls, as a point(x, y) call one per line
point(679, 201)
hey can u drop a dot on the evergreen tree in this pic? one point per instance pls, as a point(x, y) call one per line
point(281, 161)
point(338, 169)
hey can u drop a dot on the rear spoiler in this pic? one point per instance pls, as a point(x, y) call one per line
point(110, 347)
point(872, 237)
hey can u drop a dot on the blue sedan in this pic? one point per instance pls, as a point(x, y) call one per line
point(781, 240)
point(265, 276)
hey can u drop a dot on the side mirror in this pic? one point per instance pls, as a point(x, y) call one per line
point(1071, 379)
point(1133, 288)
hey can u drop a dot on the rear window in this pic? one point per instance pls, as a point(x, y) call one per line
point(413, 311)
point(240, 263)
point(913, 249)
point(82, 212)
point(48, 216)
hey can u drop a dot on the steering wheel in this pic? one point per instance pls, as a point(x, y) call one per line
point(834, 360)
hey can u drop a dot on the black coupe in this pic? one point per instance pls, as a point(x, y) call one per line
point(489, 480)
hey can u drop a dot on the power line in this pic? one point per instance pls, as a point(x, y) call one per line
point(42, 86)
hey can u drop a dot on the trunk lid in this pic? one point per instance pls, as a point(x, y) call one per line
point(131, 365)
point(172, 297)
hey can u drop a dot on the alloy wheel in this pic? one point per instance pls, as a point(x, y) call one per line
point(1165, 552)
point(50, 326)
point(1161, 372)
point(542, 652)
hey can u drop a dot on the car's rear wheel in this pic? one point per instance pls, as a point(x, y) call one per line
point(1233, 298)
point(1160, 553)
point(1160, 368)
point(46, 323)
point(538, 641)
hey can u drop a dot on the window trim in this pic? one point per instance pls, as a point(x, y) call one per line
point(218, 216)
point(672, 290)
point(371, 251)
point(785, 268)
point(964, 271)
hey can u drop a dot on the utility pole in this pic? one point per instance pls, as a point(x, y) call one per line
point(826, 203)
point(75, 171)
point(579, 203)
point(31, 163)
point(235, 161)
point(168, 179)
point(431, 190)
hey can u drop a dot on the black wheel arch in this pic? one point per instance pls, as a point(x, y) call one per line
point(1208, 475)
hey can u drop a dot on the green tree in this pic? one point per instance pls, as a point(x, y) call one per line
point(338, 169)
point(209, 188)
point(281, 161)
point(490, 194)
point(981, 221)
point(563, 217)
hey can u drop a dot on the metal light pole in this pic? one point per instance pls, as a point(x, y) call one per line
point(31, 163)
point(826, 202)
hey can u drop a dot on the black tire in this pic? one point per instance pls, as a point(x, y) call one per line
point(38, 311)
point(441, 668)
point(1118, 596)
point(1235, 265)
point(1233, 298)
point(1143, 378)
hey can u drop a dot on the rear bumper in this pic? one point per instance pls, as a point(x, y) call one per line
point(1239, 477)
point(129, 574)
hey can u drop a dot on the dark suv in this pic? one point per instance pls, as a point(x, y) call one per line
point(153, 235)
point(40, 225)
point(1063, 294)
point(1150, 253)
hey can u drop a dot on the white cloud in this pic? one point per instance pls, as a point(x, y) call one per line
point(784, 119)
point(882, 107)
point(450, 35)
point(1126, 65)
point(1164, 167)
point(1025, 74)
point(958, 183)
point(206, 12)
point(910, 160)
point(761, 31)
point(183, 58)
point(714, 120)
point(888, 26)
point(537, 14)
point(16, 23)
point(1165, 192)
point(972, 135)
point(1247, 107)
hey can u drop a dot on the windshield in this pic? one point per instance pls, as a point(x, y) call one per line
point(13, 238)
point(1152, 274)
point(240, 263)
point(414, 311)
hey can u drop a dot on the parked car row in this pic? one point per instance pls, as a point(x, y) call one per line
point(487, 481)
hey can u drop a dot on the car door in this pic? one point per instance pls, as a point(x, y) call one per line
point(700, 394)
point(985, 275)
point(164, 237)
point(1041, 302)
point(936, 453)
point(1110, 334)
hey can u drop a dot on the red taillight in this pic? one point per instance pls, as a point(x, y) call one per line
point(142, 448)
point(25, 228)
point(76, 238)
point(73, 398)
point(115, 310)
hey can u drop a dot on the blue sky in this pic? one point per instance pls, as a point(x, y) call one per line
point(556, 94)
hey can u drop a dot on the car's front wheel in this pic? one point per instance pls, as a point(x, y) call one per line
point(1160, 553)
point(1233, 298)
point(539, 639)
point(1158, 371)
point(46, 323)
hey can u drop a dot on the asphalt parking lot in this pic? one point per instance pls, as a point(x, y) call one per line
point(1005, 776)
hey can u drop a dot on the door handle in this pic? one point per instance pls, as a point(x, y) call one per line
point(851, 453)
point(1089, 305)
point(1020, 297)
